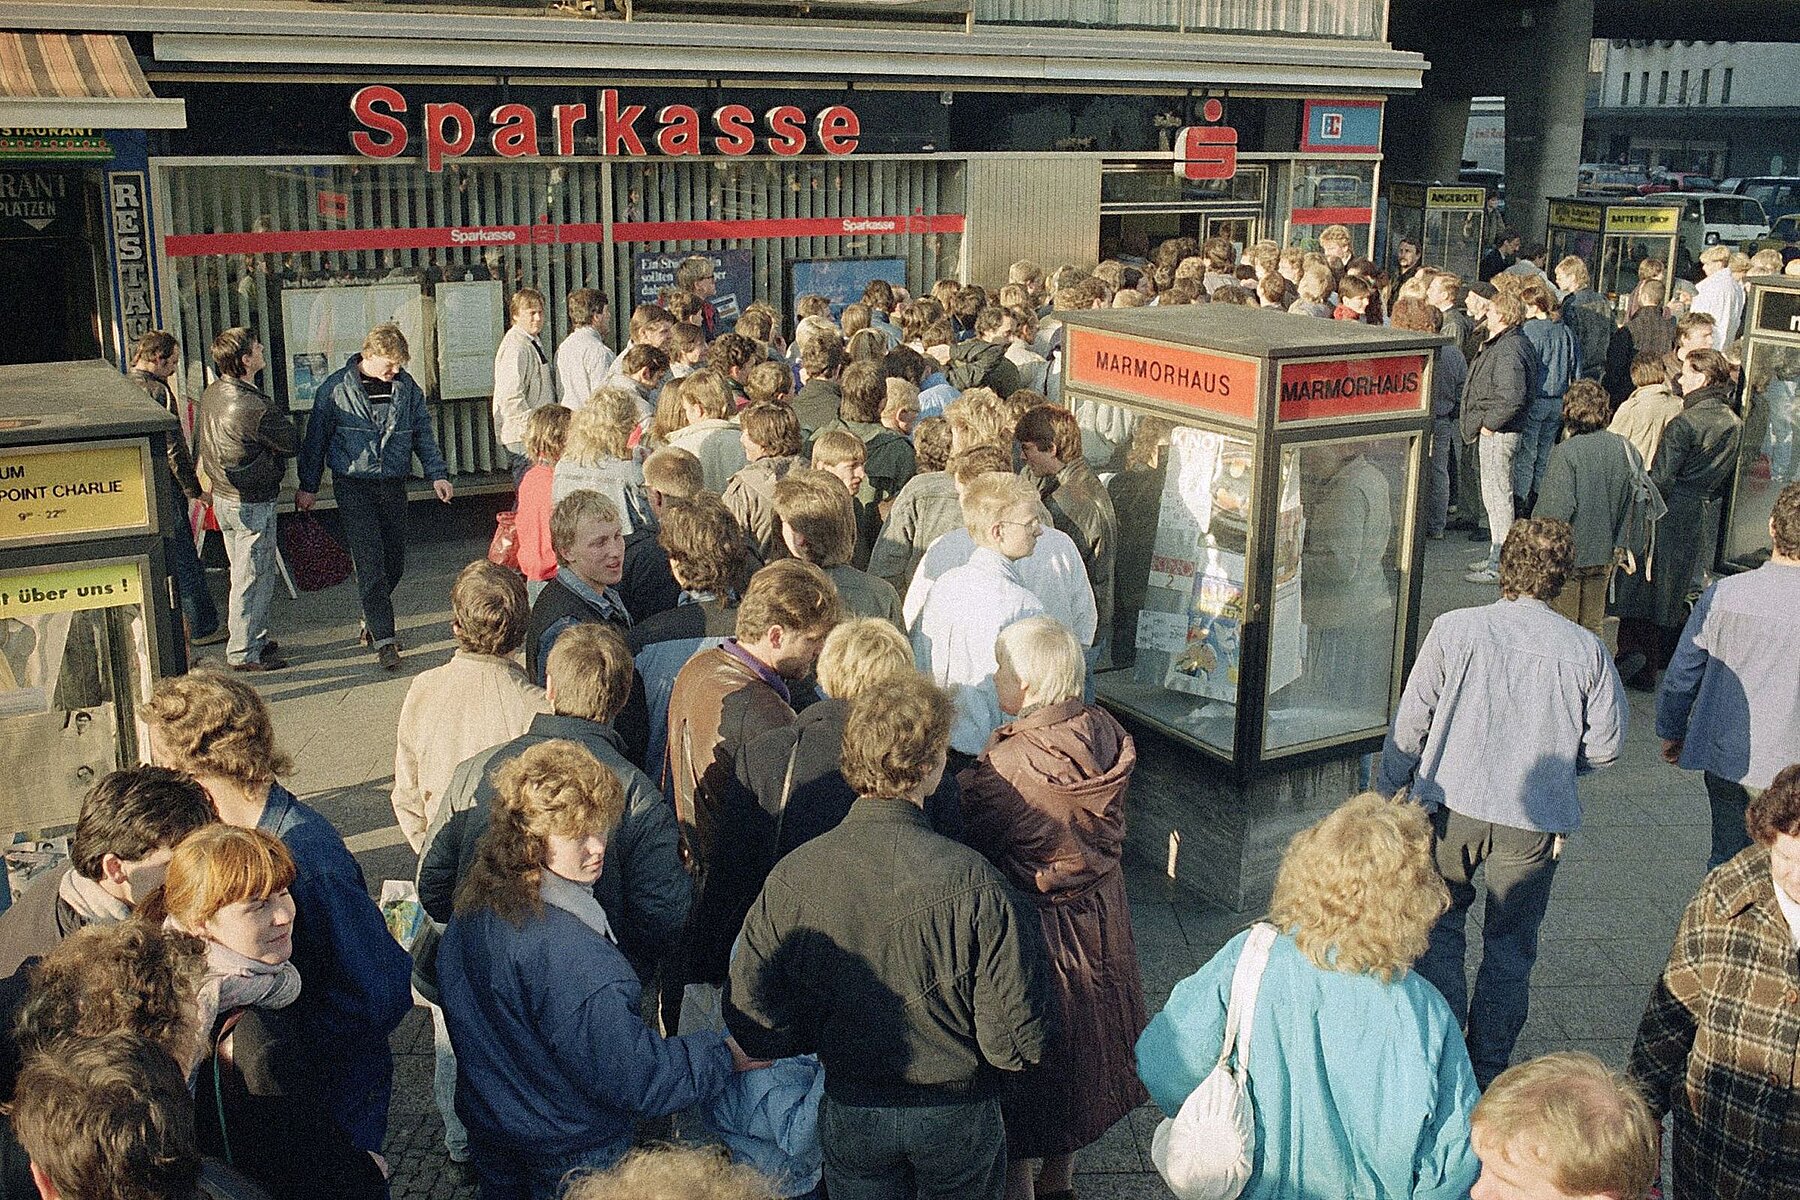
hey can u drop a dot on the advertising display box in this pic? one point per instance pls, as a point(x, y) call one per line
point(1268, 568)
point(1613, 239)
point(1770, 383)
point(1448, 221)
point(88, 619)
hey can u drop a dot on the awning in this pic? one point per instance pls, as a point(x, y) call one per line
point(78, 80)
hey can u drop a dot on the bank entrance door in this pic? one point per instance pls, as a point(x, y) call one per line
point(1143, 202)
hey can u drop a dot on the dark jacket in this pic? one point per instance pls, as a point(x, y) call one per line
point(647, 586)
point(243, 441)
point(1502, 381)
point(256, 1107)
point(37, 922)
point(978, 363)
point(359, 439)
point(357, 979)
point(1589, 317)
point(179, 457)
point(1591, 482)
point(900, 957)
point(1080, 506)
point(1046, 805)
point(552, 1056)
point(816, 404)
point(660, 646)
point(642, 887)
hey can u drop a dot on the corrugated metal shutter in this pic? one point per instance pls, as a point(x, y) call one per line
point(1036, 207)
point(212, 292)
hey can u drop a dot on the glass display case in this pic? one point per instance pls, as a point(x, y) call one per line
point(1449, 223)
point(87, 616)
point(1268, 569)
point(1614, 238)
point(1770, 385)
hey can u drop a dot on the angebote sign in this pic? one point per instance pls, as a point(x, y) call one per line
point(448, 129)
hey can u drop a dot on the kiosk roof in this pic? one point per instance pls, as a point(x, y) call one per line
point(1253, 332)
point(70, 401)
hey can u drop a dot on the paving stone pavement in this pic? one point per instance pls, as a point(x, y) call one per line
point(1619, 892)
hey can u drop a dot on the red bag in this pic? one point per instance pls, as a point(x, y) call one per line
point(316, 558)
point(503, 551)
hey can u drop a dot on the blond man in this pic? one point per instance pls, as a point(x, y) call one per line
point(1564, 1127)
point(1720, 296)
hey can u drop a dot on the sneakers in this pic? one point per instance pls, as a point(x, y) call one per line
point(1481, 564)
point(210, 639)
point(1486, 574)
point(268, 662)
point(389, 657)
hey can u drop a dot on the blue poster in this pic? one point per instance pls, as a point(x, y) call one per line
point(1343, 126)
point(841, 280)
point(731, 272)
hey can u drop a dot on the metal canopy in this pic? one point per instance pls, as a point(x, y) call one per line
point(78, 80)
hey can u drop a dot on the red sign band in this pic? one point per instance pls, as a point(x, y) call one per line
point(304, 241)
point(1152, 371)
point(1311, 391)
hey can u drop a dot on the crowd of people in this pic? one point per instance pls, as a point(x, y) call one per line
point(764, 803)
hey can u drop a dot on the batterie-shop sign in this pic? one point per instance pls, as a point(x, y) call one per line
point(1151, 371)
point(446, 129)
point(1312, 391)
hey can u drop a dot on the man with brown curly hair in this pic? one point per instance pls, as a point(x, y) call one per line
point(1507, 704)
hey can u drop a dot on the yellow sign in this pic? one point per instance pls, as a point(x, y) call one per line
point(1456, 197)
point(1643, 220)
point(68, 491)
point(1406, 195)
point(70, 589)
point(1564, 215)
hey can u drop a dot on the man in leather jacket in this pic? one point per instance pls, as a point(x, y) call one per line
point(244, 442)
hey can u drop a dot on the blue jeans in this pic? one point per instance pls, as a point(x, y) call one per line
point(374, 515)
point(1519, 865)
point(1728, 801)
point(947, 1152)
point(1542, 426)
point(190, 577)
point(249, 531)
point(514, 1173)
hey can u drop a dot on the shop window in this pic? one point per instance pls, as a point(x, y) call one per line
point(1330, 193)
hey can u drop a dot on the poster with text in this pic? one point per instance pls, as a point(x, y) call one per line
point(651, 273)
point(471, 320)
point(842, 280)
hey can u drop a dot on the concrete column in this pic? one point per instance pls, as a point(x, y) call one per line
point(1546, 96)
point(1424, 136)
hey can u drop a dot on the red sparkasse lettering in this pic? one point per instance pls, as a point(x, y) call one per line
point(565, 116)
point(736, 126)
point(836, 129)
point(439, 143)
point(515, 131)
point(787, 130)
point(367, 107)
point(680, 132)
point(618, 126)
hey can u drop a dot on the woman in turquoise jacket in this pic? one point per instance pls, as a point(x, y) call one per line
point(1358, 1073)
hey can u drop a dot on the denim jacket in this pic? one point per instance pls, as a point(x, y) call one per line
point(359, 439)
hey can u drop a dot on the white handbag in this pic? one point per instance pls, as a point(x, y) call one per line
point(1204, 1152)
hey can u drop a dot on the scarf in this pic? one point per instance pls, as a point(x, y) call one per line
point(234, 981)
point(91, 902)
point(575, 900)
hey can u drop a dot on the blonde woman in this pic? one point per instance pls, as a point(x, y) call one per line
point(1362, 1083)
point(554, 1064)
point(597, 457)
point(673, 1173)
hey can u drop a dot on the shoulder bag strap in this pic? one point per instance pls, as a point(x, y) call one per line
point(222, 1053)
point(1246, 981)
point(787, 790)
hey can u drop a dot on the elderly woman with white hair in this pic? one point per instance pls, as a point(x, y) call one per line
point(1045, 802)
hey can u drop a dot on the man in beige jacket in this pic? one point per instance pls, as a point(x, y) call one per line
point(479, 699)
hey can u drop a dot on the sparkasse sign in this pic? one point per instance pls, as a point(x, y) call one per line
point(448, 129)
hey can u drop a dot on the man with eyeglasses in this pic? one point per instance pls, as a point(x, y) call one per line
point(368, 420)
point(953, 635)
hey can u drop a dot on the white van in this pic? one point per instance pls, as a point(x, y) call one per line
point(1713, 219)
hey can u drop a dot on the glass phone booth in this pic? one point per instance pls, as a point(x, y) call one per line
point(1269, 566)
point(1614, 238)
point(1449, 223)
point(1770, 384)
point(87, 616)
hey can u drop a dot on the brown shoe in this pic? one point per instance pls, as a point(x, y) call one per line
point(268, 662)
point(389, 657)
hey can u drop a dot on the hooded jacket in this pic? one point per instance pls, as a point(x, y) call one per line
point(978, 363)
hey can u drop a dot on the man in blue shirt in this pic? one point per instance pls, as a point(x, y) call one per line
point(1505, 706)
point(368, 420)
point(1730, 702)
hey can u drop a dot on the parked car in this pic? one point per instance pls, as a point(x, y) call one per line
point(1677, 181)
point(1610, 179)
point(1712, 219)
point(1784, 234)
point(1778, 194)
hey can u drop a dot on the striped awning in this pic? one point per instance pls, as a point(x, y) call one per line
point(79, 80)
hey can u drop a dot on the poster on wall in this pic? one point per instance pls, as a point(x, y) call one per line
point(471, 319)
point(841, 280)
point(731, 275)
point(323, 326)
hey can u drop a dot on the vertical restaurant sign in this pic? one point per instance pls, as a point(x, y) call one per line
point(1141, 370)
point(1312, 391)
point(51, 493)
point(134, 273)
point(1341, 127)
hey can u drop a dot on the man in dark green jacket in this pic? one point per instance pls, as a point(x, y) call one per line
point(904, 961)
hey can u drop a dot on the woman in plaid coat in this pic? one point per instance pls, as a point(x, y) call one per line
point(1720, 1042)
